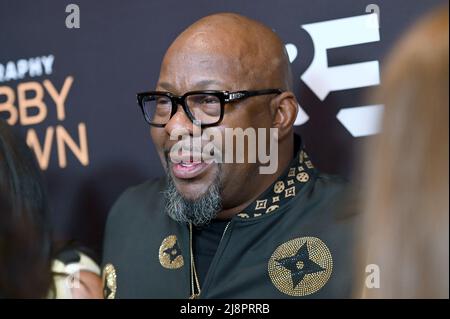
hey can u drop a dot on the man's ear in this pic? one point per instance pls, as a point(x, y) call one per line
point(284, 112)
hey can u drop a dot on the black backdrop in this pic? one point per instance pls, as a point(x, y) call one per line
point(116, 52)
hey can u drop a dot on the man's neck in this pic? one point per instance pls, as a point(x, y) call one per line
point(286, 154)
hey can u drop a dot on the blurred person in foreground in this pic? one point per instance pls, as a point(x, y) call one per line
point(406, 206)
point(27, 266)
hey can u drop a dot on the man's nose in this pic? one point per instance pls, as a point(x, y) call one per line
point(179, 122)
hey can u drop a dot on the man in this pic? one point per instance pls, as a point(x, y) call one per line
point(224, 230)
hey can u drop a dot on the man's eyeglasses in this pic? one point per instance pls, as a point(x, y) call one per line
point(204, 106)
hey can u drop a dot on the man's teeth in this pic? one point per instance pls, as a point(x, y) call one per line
point(188, 164)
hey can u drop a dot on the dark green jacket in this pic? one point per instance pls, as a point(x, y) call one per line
point(296, 240)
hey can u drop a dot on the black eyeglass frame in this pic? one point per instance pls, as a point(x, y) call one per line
point(224, 97)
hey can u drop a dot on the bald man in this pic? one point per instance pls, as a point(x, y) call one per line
point(228, 229)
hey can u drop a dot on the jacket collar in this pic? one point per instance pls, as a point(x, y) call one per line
point(299, 172)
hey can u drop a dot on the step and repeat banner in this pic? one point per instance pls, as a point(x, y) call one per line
point(70, 70)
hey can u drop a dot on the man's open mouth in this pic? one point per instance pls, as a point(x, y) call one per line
point(188, 168)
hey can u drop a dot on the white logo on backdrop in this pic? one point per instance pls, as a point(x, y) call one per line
point(322, 79)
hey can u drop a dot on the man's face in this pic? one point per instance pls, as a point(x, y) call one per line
point(208, 66)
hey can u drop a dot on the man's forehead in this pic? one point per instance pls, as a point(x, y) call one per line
point(205, 48)
point(228, 48)
point(227, 37)
point(199, 70)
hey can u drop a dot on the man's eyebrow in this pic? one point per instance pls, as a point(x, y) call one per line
point(166, 86)
point(197, 86)
point(205, 83)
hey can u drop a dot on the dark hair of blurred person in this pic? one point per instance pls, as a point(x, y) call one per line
point(25, 242)
point(31, 266)
point(406, 222)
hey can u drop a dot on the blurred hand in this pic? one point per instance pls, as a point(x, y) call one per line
point(90, 286)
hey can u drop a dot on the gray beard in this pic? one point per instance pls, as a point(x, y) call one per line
point(199, 211)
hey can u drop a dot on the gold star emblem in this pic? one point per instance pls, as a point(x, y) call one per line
point(170, 256)
point(109, 279)
point(301, 266)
